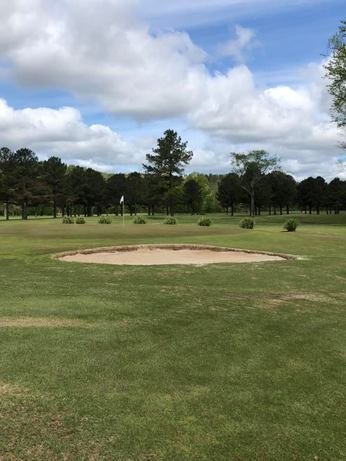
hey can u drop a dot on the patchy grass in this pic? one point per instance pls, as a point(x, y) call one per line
point(223, 362)
point(21, 322)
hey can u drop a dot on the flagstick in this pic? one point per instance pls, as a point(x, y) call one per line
point(123, 212)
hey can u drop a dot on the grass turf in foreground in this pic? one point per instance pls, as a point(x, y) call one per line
point(221, 362)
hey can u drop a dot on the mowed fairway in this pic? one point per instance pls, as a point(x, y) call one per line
point(219, 362)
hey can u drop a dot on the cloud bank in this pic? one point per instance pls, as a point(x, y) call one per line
point(104, 53)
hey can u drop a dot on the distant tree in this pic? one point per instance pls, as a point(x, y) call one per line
point(336, 72)
point(7, 178)
point(115, 189)
point(251, 167)
point(54, 171)
point(312, 194)
point(206, 193)
point(94, 191)
point(193, 195)
point(283, 190)
point(26, 171)
point(135, 192)
point(263, 191)
point(86, 190)
point(336, 195)
point(153, 192)
point(229, 191)
point(167, 162)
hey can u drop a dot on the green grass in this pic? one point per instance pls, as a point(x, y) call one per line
point(222, 362)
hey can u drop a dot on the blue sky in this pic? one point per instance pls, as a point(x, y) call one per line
point(98, 82)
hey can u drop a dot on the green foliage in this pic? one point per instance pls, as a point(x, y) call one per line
point(204, 222)
point(206, 201)
point(247, 223)
point(67, 220)
point(193, 195)
point(80, 220)
point(170, 220)
point(167, 162)
point(291, 225)
point(104, 220)
point(251, 167)
point(229, 191)
point(139, 220)
point(336, 72)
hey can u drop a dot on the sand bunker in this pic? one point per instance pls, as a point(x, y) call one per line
point(153, 255)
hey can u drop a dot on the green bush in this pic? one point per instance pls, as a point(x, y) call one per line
point(291, 225)
point(80, 220)
point(170, 220)
point(139, 220)
point(104, 220)
point(247, 223)
point(67, 220)
point(204, 222)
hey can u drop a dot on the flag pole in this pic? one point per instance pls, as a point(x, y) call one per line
point(123, 211)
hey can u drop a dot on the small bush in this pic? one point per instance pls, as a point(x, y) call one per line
point(247, 223)
point(67, 220)
point(104, 220)
point(291, 225)
point(204, 222)
point(139, 220)
point(80, 220)
point(171, 220)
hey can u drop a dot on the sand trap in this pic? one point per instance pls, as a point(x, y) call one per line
point(153, 255)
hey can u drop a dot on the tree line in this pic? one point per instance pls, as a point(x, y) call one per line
point(255, 184)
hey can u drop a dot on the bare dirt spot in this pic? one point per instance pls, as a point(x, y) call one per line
point(10, 390)
point(314, 298)
point(152, 255)
point(39, 322)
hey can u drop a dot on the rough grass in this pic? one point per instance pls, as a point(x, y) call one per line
point(223, 362)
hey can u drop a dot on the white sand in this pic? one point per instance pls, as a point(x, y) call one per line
point(152, 256)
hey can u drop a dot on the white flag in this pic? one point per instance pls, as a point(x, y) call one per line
point(122, 200)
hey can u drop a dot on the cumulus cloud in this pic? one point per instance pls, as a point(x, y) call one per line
point(236, 109)
point(62, 132)
point(101, 51)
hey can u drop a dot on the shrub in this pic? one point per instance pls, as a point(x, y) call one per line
point(204, 222)
point(67, 220)
point(104, 220)
point(291, 225)
point(170, 220)
point(80, 220)
point(247, 223)
point(139, 220)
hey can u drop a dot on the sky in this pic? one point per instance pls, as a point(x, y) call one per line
point(96, 82)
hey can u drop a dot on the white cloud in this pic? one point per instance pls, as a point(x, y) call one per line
point(236, 47)
point(62, 132)
point(102, 52)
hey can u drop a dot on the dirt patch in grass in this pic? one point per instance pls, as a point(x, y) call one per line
point(23, 322)
point(291, 298)
point(9, 389)
point(151, 255)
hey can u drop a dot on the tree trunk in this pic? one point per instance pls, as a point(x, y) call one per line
point(7, 212)
point(24, 211)
point(252, 203)
point(232, 210)
point(54, 209)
